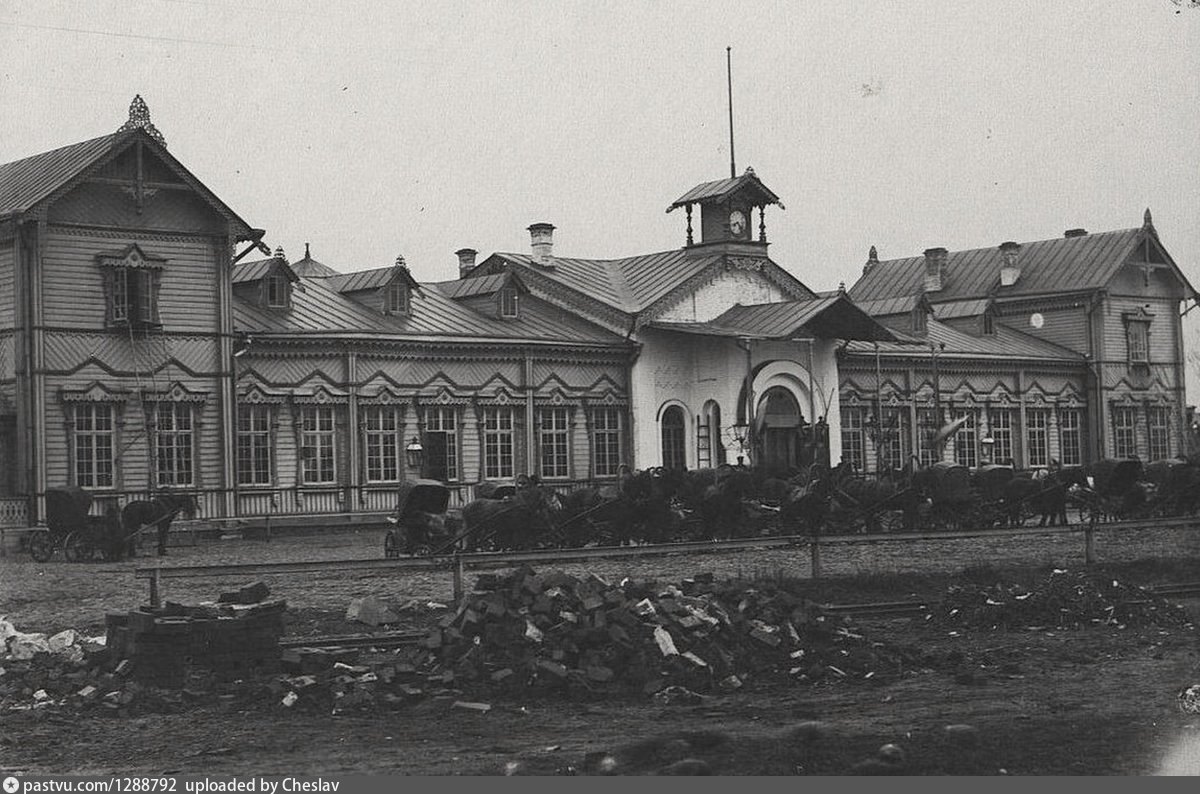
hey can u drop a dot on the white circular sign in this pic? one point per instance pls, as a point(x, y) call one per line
point(1037, 320)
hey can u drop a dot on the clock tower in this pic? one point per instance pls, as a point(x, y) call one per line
point(732, 214)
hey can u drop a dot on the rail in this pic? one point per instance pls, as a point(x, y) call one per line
point(460, 563)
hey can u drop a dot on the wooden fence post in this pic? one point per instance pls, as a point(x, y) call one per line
point(1089, 542)
point(458, 579)
point(155, 598)
point(815, 551)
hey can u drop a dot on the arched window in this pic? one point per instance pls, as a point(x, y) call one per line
point(673, 452)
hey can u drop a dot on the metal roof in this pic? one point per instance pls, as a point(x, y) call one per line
point(1005, 343)
point(1063, 264)
point(834, 317)
point(319, 309)
point(361, 280)
point(886, 307)
point(311, 268)
point(954, 310)
point(479, 285)
point(720, 189)
point(244, 272)
point(23, 183)
point(634, 283)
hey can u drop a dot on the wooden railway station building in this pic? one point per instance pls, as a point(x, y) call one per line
point(151, 340)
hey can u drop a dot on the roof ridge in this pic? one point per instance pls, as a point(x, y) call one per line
point(997, 248)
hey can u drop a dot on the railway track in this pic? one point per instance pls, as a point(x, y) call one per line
point(876, 609)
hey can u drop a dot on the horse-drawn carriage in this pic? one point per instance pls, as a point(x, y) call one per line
point(71, 529)
point(423, 522)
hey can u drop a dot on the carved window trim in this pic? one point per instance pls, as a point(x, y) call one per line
point(132, 280)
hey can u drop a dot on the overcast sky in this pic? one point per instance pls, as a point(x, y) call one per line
point(372, 129)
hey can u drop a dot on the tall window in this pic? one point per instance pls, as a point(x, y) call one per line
point(254, 445)
point(173, 444)
point(854, 449)
point(1070, 434)
point(966, 451)
point(277, 291)
point(606, 441)
point(1037, 436)
point(1124, 432)
point(554, 432)
point(317, 445)
point(1002, 438)
point(673, 449)
point(441, 443)
point(381, 428)
point(894, 440)
point(508, 302)
point(132, 299)
point(93, 436)
point(1159, 417)
point(927, 425)
point(1138, 335)
point(396, 297)
point(498, 453)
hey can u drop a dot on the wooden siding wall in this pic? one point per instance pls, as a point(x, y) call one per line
point(113, 206)
point(1063, 326)
point(187, 298)
point(7, 297)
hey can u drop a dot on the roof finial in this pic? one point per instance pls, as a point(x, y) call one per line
point(279, 254)
point(872, 261)
point(400, 262)
point(841, 288)
point(139, 119)
point(1146, 221)
point(306, 254)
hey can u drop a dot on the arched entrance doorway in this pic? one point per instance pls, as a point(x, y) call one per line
point(778, 422)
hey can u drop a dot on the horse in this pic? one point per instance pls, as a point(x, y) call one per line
point(158, 512)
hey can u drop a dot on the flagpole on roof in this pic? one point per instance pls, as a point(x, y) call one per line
point(729, 85)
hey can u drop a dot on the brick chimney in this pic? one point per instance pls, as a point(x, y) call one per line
point(1010, 267)
point(466, 261)
point(1075, 233)
point(541, 239)
point(935, 268)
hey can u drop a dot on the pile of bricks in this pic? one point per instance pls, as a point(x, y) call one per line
point(177, 646)
point(558, 630)
point(1064, 599)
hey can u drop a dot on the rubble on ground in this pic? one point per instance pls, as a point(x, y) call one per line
point(1065, 599)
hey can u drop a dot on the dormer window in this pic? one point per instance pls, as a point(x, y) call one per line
point(989, 324)
point(509, 307)
point(277, 290)
point(920, 320)
point(396, 297)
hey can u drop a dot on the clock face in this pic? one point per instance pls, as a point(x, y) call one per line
point(737, 223)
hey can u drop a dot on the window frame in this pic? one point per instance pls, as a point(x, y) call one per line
point(1037, 437)
point(967, 454)
point(396, 297)
point(1001, 430)
point(174, 446)
point(554, 442)
point(276, 291)
point(928, 423)
point(854, 440)
point(1070, 436)
point(606, 441)
point(94, 464)
point(1124, 434)
point(894, 438)
point(255, 452)
point(510, 307)
point(1158, 434)
point(383, 444)
point(499, 442)
point(318, 445)
point(443, 420)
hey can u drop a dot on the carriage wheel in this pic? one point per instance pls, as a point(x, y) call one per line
point(391, 545)
point(78, 548)
point(41, 545)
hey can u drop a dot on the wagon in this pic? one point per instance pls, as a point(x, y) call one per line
point(69, 527)
point(421, 518)
point(953, 503)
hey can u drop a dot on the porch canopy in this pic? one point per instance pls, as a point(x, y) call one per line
point(829, 317)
